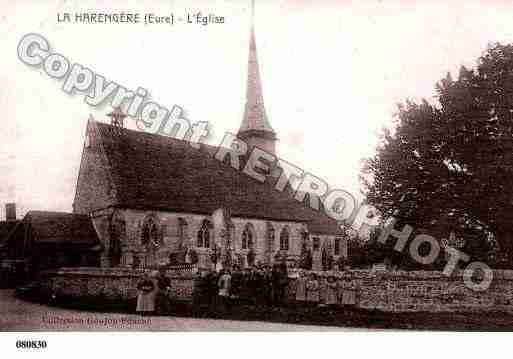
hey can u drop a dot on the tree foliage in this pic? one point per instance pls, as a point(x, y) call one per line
point(448, 166)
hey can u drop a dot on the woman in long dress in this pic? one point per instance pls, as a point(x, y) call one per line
point(323, 291)
point(353, 289)
point(147, 291)
point(332, 288)
point(312, 291)
point(349, 293)
point(301, 289)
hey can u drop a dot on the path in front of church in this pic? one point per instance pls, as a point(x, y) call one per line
point(20, 315)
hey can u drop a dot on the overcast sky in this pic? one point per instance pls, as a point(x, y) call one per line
point(332, 73)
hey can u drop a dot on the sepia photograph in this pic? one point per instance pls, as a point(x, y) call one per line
point(255, 166)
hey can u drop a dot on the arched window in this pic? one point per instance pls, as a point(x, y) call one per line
point(247, 237)
point(284, 239)
point(150, 236)
point(204, 235)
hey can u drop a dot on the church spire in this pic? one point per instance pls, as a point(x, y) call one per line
point(255, 128)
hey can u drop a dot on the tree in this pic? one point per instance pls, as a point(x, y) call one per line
point(448, 166)
point(365, 253)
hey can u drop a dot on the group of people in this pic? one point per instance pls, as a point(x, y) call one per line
point(153, 293)
point(314, 290)
point(259, 286)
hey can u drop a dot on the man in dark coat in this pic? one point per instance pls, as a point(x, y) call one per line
point(246, 290)
point(212, 279)
point(275, 278)
point(198, 292)
point(164, 286)
point(268, 286)
point(236, 284)
point(254, 285)
point(259, 279)
point(280, 282)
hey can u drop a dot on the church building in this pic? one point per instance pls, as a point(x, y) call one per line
point(155, 199)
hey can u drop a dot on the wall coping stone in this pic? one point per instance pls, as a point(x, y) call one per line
point(110, 272)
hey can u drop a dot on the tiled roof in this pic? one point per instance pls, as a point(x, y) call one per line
point(50, 227)
point(157, 172)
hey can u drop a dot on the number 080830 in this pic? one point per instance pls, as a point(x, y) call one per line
point(31, 344)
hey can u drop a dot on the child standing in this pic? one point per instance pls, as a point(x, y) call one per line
point(301, 289)
point(312, 290)
point(331, 296)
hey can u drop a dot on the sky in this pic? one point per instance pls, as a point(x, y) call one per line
point(332, 73)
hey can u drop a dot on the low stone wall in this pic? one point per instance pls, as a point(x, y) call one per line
point(426, 291)
point(419, 291)
point(110, 283)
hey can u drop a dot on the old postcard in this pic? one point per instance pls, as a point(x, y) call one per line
point(256, 165)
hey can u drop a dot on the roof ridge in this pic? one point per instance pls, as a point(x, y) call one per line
point(36, 211)
point(156, 135)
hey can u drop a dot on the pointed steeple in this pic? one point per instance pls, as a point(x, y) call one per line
point(255, 128)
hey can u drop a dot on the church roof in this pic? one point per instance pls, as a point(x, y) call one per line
point(158, 172)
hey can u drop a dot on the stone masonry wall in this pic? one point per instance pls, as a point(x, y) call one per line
point(420, 291)
point(111, 283)
point(426, 291)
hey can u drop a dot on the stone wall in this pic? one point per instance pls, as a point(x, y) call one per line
point(426, 291)
point(420, 291)
point(111, 283)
